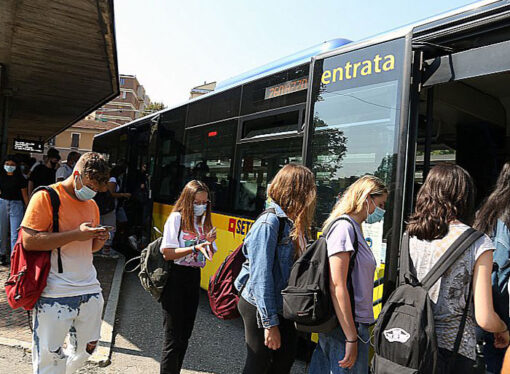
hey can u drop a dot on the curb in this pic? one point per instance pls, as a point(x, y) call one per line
point(102, 354)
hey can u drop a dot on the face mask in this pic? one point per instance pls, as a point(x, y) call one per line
point(9, 168)
point(53, 164)
point(84, 193)
point(376, 215)
point(199, 209)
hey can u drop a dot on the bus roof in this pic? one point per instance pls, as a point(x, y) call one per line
point(334, 47)
point(284, 63)
point(421, 26)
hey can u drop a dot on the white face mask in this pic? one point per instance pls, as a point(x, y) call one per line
point(84, 193)
point(199, 209)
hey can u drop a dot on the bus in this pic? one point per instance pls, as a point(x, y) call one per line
point(392, 106)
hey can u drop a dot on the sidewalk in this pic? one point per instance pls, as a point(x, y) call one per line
point(14, 328)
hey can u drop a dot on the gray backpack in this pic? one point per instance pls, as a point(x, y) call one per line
point(154, 269)
point(405, 337)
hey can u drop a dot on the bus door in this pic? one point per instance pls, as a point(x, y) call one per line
point(463, 114)
point(265, 143)
point(357, 124)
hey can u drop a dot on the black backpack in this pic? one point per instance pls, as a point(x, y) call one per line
point(307, 299)
point(405, 336)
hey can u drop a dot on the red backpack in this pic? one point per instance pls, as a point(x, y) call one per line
point(223, 296)
point(29, 269)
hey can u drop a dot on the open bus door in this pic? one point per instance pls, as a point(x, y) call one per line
point(361, 119)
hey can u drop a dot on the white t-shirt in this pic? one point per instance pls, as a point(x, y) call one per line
point(172, 239)
point(450, 292)
point(64, 172)
point(114, 180)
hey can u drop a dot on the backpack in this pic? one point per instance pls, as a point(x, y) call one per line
point(405, 336)
point(307, 299)
point(29, 269)
point(223, 296)
point(105, 202)
point(501, 275)
point(154, 269)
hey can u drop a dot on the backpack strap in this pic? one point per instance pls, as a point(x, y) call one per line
point(451, 255)
point(55, 204)
point(406, 274)
point(462, 325)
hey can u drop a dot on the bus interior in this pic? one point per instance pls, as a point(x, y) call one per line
point(465, 122)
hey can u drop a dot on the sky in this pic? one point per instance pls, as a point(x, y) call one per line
point(174, 46)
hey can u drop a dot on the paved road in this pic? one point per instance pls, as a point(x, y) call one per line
point(216, 347)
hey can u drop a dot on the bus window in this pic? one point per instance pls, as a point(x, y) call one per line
point(259, 163)
point(168, 175)
point(287, 122)
point(278, 90)
point(208, 157)
point(218, 107)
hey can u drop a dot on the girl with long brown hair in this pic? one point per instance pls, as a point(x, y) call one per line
point(493, 219)
point(188, 240)
point(275, 240)
point(345, 348)
point(444, 211)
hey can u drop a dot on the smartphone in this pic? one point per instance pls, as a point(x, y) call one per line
point(104, 227)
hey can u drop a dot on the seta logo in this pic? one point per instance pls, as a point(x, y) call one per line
point(239, 226)
point(362, 68)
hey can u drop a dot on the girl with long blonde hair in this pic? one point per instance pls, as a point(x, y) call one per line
point(275, 240)
point(351, 269)
point(188, 240)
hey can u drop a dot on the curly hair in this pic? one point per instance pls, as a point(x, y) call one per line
point(93, 166)
point(448, 194)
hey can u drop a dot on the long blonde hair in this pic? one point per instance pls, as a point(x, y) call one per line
point(184, 205)
point(294, 190)
point(355, 196)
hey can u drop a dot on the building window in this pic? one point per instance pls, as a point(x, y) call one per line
point(124, 94)
point(75, 140)
point(122, 81)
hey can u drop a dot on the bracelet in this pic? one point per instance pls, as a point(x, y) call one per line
point(351, 341)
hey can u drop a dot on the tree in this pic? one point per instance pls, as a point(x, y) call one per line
point(153, 108)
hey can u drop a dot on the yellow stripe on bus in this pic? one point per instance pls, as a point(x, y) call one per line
point(231, 232)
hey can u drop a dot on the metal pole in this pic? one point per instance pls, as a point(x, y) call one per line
point(3, 112)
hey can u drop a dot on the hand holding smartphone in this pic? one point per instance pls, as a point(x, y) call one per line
point(211, 235)
point(103, 228)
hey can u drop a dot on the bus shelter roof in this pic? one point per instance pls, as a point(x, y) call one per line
point(58, 63)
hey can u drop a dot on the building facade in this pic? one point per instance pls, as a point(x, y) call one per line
point(79, 137)
point(126, 107)
point(202, 89)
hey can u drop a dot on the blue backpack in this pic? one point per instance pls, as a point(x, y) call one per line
point(501, 271)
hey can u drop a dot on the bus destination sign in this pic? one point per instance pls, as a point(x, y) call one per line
point(286, 88)
point(28, 145)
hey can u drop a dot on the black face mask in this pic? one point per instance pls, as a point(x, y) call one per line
point(53, 164)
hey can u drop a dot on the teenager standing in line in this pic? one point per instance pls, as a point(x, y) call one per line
point(188, 240)
point(444, 209)
point(13, 199)
point(271, 340)
point(493, 219)
point(345, 349)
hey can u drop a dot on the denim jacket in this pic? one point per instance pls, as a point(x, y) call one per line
point(266, 273)
point(501, 239)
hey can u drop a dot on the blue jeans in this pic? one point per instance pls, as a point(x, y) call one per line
point(11, 214)
point(331, 349)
